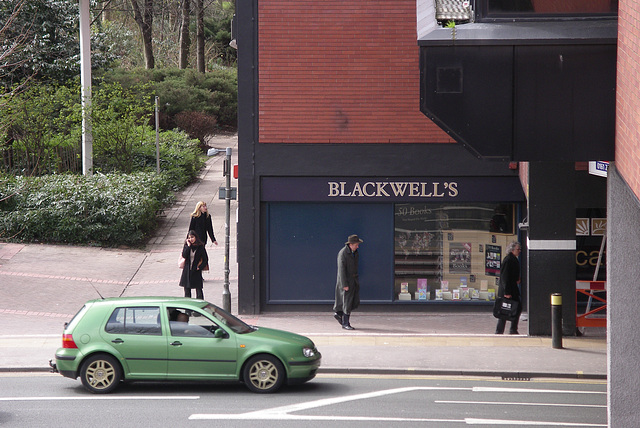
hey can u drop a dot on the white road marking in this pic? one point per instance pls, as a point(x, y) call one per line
point(505, 403)
point(533, 390)
point(472, 421)
point(284, 412)
point(105, 397)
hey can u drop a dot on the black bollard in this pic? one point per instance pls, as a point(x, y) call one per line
point(556, 320)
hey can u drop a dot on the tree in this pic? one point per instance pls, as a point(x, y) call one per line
point(47, 35)
point(200, 62)
point(9, 40)
point(40, 40)
point(144, 19)
point(185, 40)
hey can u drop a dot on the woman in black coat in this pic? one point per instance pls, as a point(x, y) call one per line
point(195, 260)
point(201, 223)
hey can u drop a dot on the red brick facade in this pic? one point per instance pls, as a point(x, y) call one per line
point(628, 95)
point(340, 71)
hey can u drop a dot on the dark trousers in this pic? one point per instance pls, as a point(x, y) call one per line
point(199, 293)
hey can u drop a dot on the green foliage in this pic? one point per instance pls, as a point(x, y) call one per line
point(40, 130)
point(217, 31)
point(180, 159)
point(48, 37)
point(111, 210)
point(116, 118)
point(40, 125)
point(214, 93)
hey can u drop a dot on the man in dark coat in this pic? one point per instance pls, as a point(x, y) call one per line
point(347, 283)
point(509, 280)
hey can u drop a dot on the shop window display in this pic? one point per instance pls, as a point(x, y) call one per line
point(450, 252)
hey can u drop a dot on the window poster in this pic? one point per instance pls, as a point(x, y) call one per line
point(492, 260)
point(460, 257)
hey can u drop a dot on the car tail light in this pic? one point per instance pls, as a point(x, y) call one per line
point(67, 341)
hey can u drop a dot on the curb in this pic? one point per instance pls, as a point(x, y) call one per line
point(513, 376)
point(516, 376)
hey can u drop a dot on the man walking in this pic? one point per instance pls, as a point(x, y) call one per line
point(509, 280)
point(347, 283)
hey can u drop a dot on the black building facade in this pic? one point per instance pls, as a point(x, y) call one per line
point(435, 218)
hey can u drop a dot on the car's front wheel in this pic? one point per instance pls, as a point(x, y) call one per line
point(100, 373)
point(263, 373)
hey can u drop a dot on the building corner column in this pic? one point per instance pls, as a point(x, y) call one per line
point(551, 245)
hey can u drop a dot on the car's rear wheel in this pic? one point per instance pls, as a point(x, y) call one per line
point(100, 373)
point(263, 373)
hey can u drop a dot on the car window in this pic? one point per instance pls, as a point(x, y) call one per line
point(135, 320)
point(76, 317)
point(229, 320)
point(187, 322)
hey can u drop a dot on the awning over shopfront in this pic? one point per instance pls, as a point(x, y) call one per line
point(392, 189)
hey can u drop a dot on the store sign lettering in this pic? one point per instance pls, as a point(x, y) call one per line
point(377, 189)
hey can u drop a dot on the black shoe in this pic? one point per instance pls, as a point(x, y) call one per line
point(345, 322)
point(513, 332)
point(338, 317)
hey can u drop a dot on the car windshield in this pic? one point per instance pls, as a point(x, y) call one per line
point(227, 319)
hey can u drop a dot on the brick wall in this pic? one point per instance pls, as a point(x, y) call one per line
point(340, 71)
point(628, 95)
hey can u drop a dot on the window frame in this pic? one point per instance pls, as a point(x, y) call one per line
point(113, 327)
point(482, 14)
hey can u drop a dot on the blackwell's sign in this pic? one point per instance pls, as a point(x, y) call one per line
point(379, 189)
point(371, 189)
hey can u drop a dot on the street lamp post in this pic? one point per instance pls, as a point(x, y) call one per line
point(85, 83)
point(157, 138)
point(226, 294)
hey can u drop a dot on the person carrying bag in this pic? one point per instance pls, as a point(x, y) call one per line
point(508, 306)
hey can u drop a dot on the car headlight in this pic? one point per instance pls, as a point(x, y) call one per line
point(308, 352)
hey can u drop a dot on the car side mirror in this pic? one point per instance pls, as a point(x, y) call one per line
point(219, 333)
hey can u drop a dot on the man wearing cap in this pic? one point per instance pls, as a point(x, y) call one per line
point(347, 284)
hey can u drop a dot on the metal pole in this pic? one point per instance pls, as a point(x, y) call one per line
point(556, 320)
point(85, 83)
point(157, 138)
point(226, 294)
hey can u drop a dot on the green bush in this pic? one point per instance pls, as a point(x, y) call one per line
point(109, 210)
point(116, 118)
point(180, 159)
point(214, 93)
point(40, 130)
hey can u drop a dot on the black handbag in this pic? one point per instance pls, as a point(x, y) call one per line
point(505, 309)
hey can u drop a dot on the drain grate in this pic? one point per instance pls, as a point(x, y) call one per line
point(517, 378)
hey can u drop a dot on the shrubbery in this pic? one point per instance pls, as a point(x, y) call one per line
point(40, 133)
point(110, 210)
point(214, 94)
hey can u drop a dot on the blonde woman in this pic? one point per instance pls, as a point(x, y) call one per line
point(201, 223)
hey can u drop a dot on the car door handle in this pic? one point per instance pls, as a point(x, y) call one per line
point(176, 343)
point(118, 341)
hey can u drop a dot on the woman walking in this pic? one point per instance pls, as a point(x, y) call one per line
point(201, 223)
point(196, 259)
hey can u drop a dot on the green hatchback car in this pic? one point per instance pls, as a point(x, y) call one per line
point(167, 338)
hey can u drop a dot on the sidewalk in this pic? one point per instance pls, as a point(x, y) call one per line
point(43, 286)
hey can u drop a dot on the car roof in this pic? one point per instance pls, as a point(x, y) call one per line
point(145, 300)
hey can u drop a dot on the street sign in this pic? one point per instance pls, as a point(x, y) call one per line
point(233, 193)
point(599, 168)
